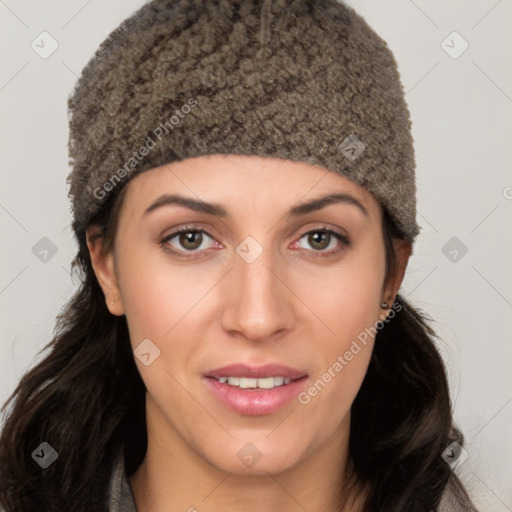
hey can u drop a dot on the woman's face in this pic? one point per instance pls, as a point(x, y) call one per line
point(258, 278)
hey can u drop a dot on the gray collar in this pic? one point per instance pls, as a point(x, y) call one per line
point(121, 496)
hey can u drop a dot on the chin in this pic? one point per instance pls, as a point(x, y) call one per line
point(255, 458)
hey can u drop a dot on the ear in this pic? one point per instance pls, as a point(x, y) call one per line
point(403, 250)
point(103, 265)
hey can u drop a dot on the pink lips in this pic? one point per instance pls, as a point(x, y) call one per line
point(255, 402)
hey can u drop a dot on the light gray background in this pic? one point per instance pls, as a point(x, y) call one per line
point(461, 110)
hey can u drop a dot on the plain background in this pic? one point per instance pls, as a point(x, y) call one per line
point(460, 272)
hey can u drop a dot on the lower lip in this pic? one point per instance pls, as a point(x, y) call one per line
point(255, 402)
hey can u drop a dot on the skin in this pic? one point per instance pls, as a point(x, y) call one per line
point(289, 305)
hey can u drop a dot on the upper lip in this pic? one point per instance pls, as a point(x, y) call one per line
point(256, 372)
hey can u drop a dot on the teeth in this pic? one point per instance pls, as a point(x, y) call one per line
point(269, 382)
point(248, 383)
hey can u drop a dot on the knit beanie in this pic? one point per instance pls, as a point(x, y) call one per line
point(301, 80)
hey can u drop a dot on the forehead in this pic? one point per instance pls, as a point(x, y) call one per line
point(235, 176)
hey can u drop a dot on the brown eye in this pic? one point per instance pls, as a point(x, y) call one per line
point(322, 239)
point(190, 240)
point(186, 240)
point(318, 239)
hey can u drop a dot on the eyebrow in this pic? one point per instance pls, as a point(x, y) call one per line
point(216, 209)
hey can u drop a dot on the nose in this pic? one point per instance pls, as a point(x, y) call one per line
point(259, 303)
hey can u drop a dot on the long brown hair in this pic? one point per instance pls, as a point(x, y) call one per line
point(87, 400)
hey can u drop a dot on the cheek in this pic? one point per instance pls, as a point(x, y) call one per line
point(157, 295)
point(349, 307)
point(161, 303)
point(349, 301)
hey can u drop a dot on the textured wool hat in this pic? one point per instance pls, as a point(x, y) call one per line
point(301, 80)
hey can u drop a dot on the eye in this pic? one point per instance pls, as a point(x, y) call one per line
point(192, 240)
point(323, 238)
point(188, 239)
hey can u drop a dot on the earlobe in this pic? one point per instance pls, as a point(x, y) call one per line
point(104, 268)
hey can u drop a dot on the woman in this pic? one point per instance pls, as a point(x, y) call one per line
point(244, 202)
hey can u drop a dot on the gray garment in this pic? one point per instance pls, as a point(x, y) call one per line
point(121, 496)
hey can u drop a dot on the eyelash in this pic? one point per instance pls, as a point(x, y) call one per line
point(345, 241)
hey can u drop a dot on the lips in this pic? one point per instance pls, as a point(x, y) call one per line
point(255, 401)
point(256, 372)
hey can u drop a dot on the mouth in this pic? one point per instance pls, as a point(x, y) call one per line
point(255, 391)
